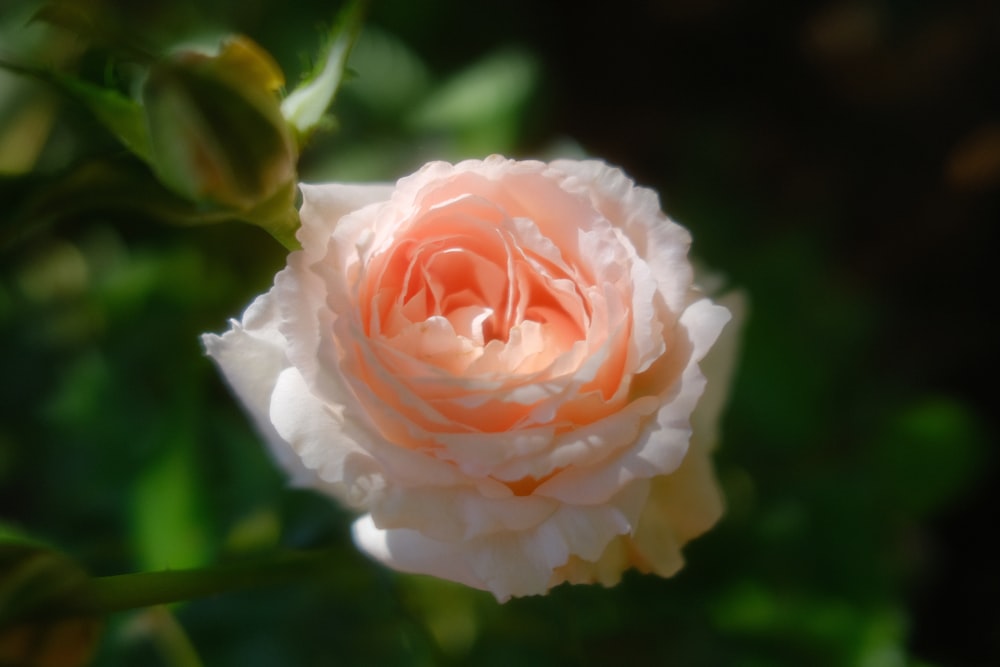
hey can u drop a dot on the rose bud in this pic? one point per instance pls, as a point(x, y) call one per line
point(216, 127)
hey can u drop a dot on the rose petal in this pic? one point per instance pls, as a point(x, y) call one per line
point(325, 205)
point(719, 366)
point(506, 563)
point(323, 440)
point(251, 355)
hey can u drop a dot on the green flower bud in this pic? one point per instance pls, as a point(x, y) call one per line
point(216, 128)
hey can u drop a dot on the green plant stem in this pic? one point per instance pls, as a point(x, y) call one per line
point(144, 589)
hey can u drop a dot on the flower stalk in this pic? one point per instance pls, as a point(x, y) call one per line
point(50, 607)
point(143, 589)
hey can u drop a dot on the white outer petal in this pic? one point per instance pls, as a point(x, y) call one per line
point(454, 514)
point(323, 441)
point(507, 563)
point(251, 355)
point(324, 205)
point(637, 213)
point(719, 366)
point(685, 503)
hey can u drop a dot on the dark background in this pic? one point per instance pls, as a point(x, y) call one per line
point(837, 161)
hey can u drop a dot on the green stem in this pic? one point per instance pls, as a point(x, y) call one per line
point(144, 589)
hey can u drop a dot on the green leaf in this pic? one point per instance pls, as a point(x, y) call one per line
point(305, 106)
point(278, 216)
point(482, 106)
point(122, 116)
point(167, 510)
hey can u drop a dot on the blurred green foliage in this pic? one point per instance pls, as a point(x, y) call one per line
point(858, 440)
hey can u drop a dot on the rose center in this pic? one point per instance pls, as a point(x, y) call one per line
point(467, 289)
point(461, 285)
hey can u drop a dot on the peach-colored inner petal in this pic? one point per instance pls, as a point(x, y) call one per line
point(513, 312)
point(483, 317)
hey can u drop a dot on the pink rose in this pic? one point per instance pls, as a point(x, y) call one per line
point(496, 362)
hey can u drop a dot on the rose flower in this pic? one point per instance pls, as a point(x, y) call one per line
point(497, 363)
